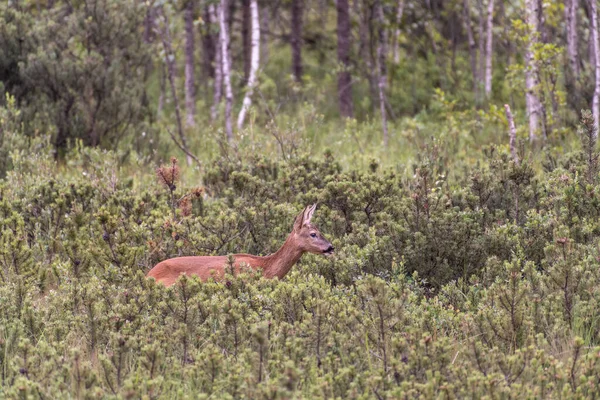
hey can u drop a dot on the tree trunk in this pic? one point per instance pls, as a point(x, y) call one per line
point(343, 49)
point(481, 45)
point(472, 45)
point(532, 101)
point(297, 10)
point(399, 12)
point(572, 39)
point(218, 66)
point(190, 101)
point(226, 70)
point(595, 40)
point(381, 68)
point(264, 46)
point(572, 70)
point(255, 54)
point(170, 61)
point(149, 24)
point(362, 10)
point(489, 49)
point(246, 39)
point(209, 43)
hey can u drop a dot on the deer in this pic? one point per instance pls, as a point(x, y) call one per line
point(304, 238)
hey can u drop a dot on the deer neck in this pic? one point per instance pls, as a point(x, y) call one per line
point(279, 263)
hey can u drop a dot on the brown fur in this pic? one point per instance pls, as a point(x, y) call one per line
point(278, 264)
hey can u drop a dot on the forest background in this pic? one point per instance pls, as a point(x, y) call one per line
point(451, 146)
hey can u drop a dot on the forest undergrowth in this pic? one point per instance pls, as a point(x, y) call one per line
point(461, 279)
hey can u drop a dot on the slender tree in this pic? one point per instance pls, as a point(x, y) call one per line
point(170, 62)
point(190, 100)
point(596, 42)
point(532, 100)
point(343, 49)
point(381, 67)
point(215, 12)
point(481, 44)
point(209, 43)
point(362, 10)
point(572, 38)
point(246, 45)
point(255, 54)
point(472, 45)
point(297, 11)
point(224, 38)
point(489, 48)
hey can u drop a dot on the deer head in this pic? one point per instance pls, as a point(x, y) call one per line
point(308, 236)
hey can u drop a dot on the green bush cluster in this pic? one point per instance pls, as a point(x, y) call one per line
point(447, 283)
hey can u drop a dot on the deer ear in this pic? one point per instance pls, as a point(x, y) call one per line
point(299, 220)
point(308, 213)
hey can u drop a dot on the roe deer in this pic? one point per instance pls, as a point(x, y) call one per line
point(305, 237)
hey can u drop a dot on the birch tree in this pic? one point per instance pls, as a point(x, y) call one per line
point(224, 39)
point(190, 101)
point(594, 39)
point(254, 62)
point(532, 101)
point(489, 48)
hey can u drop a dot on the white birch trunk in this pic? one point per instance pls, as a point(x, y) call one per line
point(218, 82)
point(532, 101)
point(399, 12)
point(489, 48)
point(226, 70)
point(254, 62)
point(594, 39)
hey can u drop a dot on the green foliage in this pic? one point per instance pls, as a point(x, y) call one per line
point(84, 73)
point(470, 281)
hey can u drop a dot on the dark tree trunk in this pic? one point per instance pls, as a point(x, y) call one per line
point(472, 45)
point(149, 24)
point(363, 11)
point(343, 48)
point(572, 39)
point(246, 38)
point(190, 101)
point(209, 44)
point(381, 67)
point(297, 10)
point(481, 45)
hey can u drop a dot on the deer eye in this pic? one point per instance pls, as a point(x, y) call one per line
point(313, 235)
